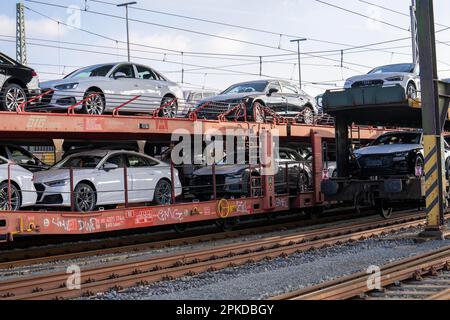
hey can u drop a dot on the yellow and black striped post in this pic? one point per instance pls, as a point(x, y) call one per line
point(434, 182)
point(434, 116)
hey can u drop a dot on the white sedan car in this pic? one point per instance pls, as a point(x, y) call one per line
point(404, 74)
point(99, 180)
point(110, 85)
point(23, 193)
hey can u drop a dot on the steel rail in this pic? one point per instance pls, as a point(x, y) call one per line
point(356, 285)
point(30, 256)
point(129, 274)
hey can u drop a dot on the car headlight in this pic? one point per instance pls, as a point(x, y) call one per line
point(358, 156)
point(68, 86)
point(57, 183)
point(234, 177)
point(396, 78)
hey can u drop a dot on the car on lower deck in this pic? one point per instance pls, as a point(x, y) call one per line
point(107, 86)
point(395, 153)
point(235, 179)
point(16, 186)
point(98, 180)
point(22, 157)
point(403, 74)
point(281, 98)
point(17, 83)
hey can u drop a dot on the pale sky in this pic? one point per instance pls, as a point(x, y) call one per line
point(302, 18)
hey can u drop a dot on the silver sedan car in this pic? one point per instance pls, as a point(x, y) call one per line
point(101, 88)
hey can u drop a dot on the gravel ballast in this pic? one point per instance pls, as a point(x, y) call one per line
point(269, 278)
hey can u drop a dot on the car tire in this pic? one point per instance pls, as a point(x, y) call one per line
point(94, 105)
point(411, 91)
point(163, 193)
point(12, 96)
point(419, 162)
point(258, 115)
point(308, 115)
point(303, 182)
point(85, 198)
point(16, 197)
point(168, 111)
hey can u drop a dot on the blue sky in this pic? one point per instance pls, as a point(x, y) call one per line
point(304, 18)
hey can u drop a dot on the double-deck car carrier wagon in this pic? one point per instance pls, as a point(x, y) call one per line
point(23, 126)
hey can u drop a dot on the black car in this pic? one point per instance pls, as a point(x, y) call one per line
point(17, 83)
point(235, 179)
point(22, 157)
point(282, 98)
point(394, 153)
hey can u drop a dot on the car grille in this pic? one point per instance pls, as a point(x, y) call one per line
point(376, 161)
point(40, 189)
point(47, 99)
point(212, 110)
point(367, 83)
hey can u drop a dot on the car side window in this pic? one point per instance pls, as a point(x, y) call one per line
point(118, 160)
point(127, 69)
point(21, 157)
point(4, 61)
point(135, 161)
point(145, 73)
point(274, 85)
point(289, 89)
point(3, 152)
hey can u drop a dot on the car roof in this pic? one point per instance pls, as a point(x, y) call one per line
point(104, 153)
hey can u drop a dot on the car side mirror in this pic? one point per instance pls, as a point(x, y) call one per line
point(119, 75)
point(110, 166)
point(272, 91)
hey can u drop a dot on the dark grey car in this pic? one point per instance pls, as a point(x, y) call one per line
point(234, 180)
point(283, 98)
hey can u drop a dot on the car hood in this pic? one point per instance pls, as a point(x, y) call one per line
point(53, 83)
point(377, 76)
point(387, 149)
point(221, 170)
point(59, 174)
point(231, 97)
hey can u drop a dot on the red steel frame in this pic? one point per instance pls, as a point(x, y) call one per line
point(59, 126)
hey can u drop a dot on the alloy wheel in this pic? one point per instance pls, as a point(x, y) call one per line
point(95, 105)
point(308, 116)
point(168, 111)
point(85, 198)
point(411, 91)
point(14, 97)
point(163, 193)
point(4, 198)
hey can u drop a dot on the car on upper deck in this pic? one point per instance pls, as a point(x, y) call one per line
point(403, 74)
point(101, 88)
point(282, 98)
point(17, 83)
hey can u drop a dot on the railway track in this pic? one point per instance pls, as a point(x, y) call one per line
point(133, 273)
point(135, 243)
point(426, 276)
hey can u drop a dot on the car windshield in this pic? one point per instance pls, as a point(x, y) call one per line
point(400, 138)
point(79, 162)
point(247, 87)
point(403, 67)
point(93, 71)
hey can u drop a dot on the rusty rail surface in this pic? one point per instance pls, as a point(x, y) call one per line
point(129, 274)
point(355, 286)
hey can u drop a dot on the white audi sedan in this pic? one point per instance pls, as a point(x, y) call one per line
point(110, 85)
point(404, 74)
point(99, 180)
point(23, 194)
